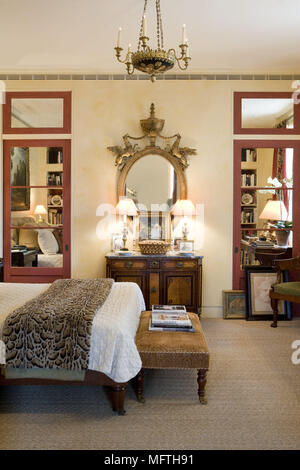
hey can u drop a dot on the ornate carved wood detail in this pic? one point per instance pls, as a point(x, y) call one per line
point(152, 128)
point(130, 152)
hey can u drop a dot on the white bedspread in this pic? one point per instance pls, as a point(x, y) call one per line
point(113, 350)
point(53, 261)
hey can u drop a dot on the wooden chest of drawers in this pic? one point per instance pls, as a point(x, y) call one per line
point(163, 279)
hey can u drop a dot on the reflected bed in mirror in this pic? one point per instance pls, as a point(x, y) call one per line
point(152, 183)
point(36, 175)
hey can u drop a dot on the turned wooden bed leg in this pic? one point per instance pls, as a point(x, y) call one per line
point(274, 304)
point(201, 379)
point(118, 393)
point(140, 386)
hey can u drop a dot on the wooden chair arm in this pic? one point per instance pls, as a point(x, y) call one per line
point(287, 264)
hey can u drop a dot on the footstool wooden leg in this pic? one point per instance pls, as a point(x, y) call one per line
point(140, 386)
point(201, 379)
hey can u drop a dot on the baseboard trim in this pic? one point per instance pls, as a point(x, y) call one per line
point(212, 312)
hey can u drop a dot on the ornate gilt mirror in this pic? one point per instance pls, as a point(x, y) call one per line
point(153, 174)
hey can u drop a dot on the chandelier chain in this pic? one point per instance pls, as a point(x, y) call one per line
point(160, 39)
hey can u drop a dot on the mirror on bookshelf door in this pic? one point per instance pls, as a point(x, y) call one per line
point(36, 201)
point(266, 201)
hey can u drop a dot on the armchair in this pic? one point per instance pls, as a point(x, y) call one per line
point(288, 291)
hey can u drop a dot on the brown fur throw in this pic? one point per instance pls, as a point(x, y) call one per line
point(53, 330)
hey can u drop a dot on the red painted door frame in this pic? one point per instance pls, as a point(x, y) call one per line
point(238, 145)
point(36, 274)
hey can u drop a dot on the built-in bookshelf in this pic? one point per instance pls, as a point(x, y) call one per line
point(248, 188)
point(54, 182)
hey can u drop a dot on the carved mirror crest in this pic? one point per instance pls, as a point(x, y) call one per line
point(170, 149)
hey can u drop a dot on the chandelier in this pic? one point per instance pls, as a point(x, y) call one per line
point(153, 61)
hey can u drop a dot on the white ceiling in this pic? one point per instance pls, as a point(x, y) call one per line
point(226, 36)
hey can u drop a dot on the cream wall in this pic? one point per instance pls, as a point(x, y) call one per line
point(202, 112)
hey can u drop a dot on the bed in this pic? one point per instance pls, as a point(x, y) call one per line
point(113, 359)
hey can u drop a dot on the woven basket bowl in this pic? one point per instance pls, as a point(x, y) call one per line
point(153, 247)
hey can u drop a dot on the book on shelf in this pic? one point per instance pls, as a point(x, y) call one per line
point(170, 328)
point(168, 309)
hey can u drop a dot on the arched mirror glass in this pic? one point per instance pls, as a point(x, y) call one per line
point(152, 182)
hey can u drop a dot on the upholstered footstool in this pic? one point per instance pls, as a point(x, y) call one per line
point(172, 350)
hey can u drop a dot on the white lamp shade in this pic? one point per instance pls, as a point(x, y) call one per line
point(274, 210)
point(183, 207)
point(126, 206)
point(40, 210)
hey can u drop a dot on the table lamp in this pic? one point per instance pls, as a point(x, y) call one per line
point(40, 211)
point(185, 208)
point(126, 207)
point(275, 210)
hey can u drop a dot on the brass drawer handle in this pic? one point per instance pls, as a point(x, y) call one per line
point(128, 264)
point(179, 264)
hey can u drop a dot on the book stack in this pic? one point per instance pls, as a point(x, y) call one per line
point(262, 243)
point(170, 318)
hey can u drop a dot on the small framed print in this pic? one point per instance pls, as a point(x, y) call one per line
point(259, 280)
point(186, 246)
point(234, 304)
point(116, 241)
point(176, 243)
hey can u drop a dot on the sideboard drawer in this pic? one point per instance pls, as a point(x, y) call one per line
point(128, 264)
point(180, 264)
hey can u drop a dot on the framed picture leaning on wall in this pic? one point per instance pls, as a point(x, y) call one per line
point(259, 280)
point(234, 304)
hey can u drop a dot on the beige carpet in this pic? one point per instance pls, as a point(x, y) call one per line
point(253, 396)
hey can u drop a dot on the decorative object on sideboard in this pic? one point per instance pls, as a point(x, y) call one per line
point(153, 61)
point(40, 211)
point(186, 247)
point(125, 207)
point(184, 208)
point(116, 242)
point(275, 211)
point(154, 247)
